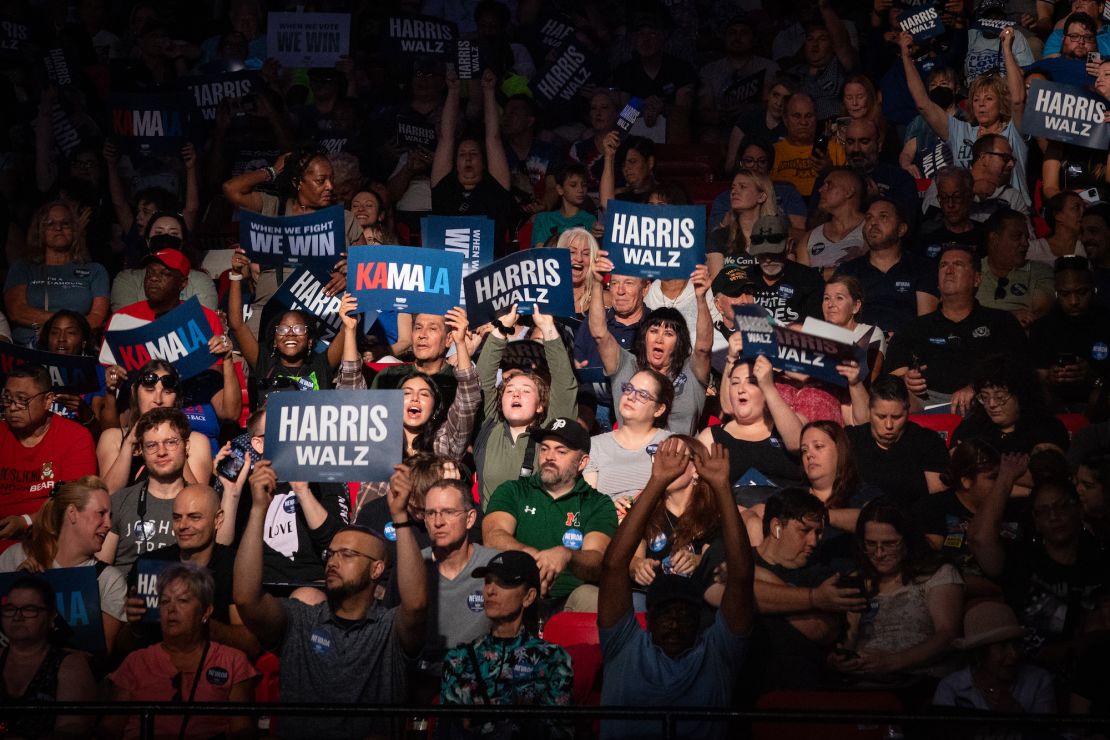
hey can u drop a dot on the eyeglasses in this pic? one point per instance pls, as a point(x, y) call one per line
point(284, 330)
point(769, 238)
point(1059, 509)
point(54, 223)
point(627, 389)
point(871, 546)
point(1077, 37)
point(750, 162)
point(1005, 155)
point(1000, 291)
point(997, 399)
point(345, 553)
point(30, 611)
point(444, 513)
point(15, 404)
point(150, 379)
point(170, 445)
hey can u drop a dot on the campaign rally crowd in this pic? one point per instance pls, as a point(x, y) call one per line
point(852, 435)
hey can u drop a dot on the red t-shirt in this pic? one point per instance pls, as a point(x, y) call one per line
point(28, 474)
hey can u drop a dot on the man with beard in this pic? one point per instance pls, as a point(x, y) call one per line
point(789, 290)
point(556, 517)
point(347, 649)
point(898, 286)
point(862, 141)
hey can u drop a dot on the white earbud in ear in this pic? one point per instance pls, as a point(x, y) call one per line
point(778, 532)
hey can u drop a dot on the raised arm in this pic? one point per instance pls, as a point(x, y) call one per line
point(411, 575)
point(838, 35)
point(563, 399)
point(607, 345)
point(496, 161)
point(608, 187)
point(703, 333)
point(444, 160)
point(337, 348)
point(490, 359)
point(787, 423)
point(738, 602)
point(260, 611)
point(192, 187)
point(1015, 78)
point(615, 588)
point(240, 190)
point(933, 114)
point(124, 216)
point(452, 437)
point(982, 531)
point(240, 271)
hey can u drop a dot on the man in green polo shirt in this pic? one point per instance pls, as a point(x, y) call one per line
point(556, 517)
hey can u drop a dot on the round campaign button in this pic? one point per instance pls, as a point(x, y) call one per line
point(476, 602)
point(320, 641)
point(289, 505)
point(572, 539)
point(658, 543)
point(1099, 351)
point(390, 532)
point(216, 676)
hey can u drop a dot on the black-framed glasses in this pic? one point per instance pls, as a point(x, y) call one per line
point(993, 399)
point(14, 403)
point(149, 379)
point(297, 330)
point(1006, 156)
point(627, 389)
point(29, 611)
point(1077, 37)
point(345, 553)
point(443, 513)
point(1000, 291)
point(770, 238)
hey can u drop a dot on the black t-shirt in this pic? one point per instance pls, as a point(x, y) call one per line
point(313, 375)
point(487, 198)
point(768, 456)
point(891, 297)
point(952, 348)
point(1029, 432)
point(945, 515)
point(795, 295)
point(899, 471)
point(221, 566)
point(932, 237)
point(1087, 337)
point(674, 74)
point(1049, 598)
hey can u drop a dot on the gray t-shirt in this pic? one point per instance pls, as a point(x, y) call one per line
point(326, 660)
point(456, 608)
point(620, 471)
point(153, 533)
point(689, 394)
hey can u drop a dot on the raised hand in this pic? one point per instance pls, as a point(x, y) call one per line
point(671, 459)
point(712, 465)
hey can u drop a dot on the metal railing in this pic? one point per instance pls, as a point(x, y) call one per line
point(667, 717)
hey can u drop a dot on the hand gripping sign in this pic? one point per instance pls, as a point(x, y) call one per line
point(664, 242)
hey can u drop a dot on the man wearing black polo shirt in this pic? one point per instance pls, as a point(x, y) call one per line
point(1071, 345)
point(934, 353)
point(955, 195)
point(467, 181)
point(556, 517)
point(663, 82)
point(898, 286)
point(892, 453)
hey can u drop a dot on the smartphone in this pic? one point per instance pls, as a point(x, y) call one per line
point(1093, 57)
point(1067, 358)
point(1091, 196)
point(232, 465)
point(846, 581)
point(821, 144)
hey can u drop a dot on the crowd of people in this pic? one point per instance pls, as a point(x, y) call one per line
point(930, 522)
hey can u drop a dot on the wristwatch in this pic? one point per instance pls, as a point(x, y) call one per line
point(505, 331)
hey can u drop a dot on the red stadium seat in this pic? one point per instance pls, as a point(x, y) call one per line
point(942, 424)
point(1073, 422)
point(577, 633)
point(846, 701)
point(267, 691)
point(524, 236)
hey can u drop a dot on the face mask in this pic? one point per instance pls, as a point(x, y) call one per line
point(165, 241)
point(942, 96)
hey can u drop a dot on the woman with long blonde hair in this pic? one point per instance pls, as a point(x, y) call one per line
point(583, 251)
point(752, 195)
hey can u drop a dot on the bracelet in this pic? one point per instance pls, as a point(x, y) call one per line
point(406, 523)
point(234, 277)
point(27, 518)
point(271, 171)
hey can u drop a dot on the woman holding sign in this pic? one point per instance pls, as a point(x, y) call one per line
point(663, 345)
point(187, 666)
point(995, 107)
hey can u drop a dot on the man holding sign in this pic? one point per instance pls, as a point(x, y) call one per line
point(348, 649)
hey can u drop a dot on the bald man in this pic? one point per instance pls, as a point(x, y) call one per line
point(348, 649)
point(197, 517)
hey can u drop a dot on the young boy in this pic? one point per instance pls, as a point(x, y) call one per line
point(570, 184)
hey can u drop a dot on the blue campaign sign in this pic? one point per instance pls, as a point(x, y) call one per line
point(209, 91)
point(308, 39)
point(628, 117)
point(406, 279)
point(921, 23)
point(303, 290)
point(69, 373)
point(335, 436)
point(470, 236)
point(146, 585)
point(153, 124)
point(77, 595)
point(179, 337)
point(664, 242)
point(316, 240)
point(1066, 113)
point(416, 36)
point(795, 351)
point(526, 278)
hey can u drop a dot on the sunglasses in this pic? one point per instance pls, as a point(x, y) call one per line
point(150, 379)
point(767, 238)
point(1000, 291)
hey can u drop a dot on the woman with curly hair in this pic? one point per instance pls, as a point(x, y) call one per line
point(57, 273)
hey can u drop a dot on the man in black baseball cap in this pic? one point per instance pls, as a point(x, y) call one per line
point(510, 665)
point(556, 517)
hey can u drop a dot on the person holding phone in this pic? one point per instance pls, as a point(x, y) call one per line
point(915, 602)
